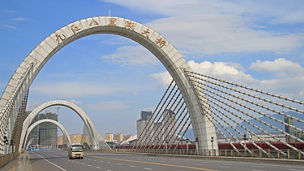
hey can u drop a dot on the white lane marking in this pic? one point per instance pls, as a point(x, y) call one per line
point(229, 164)
point(148, 168)
point(258, 166)
point(98, 167)
point(131, 166)
point(89, 165)
point(119, 164)
point(51, 163)
point(257, 170)
point(109, 170)
point(274, 165)
point(224, 166)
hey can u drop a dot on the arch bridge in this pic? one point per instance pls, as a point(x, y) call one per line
point(215, 109)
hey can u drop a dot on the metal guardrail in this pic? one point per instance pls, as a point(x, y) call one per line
point(4, 159)
point(291, 154)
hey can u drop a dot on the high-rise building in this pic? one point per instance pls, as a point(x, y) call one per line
point(169, 126)
point(144, 115)
point(289, 129)
point(158, 132)
point(44, 134)
point(145, 123)
point(48, 131)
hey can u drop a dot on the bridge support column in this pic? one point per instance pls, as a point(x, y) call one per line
point(203, 129)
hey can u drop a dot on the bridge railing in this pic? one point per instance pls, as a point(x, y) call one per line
point(5, 159)
point(274, 154)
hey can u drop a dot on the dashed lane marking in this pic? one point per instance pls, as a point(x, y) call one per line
point(51, 162)
point(154, 163)
point(148, 168)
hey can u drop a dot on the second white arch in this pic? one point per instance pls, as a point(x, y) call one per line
point(92, 131)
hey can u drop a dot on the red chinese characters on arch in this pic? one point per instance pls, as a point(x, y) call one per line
point(60, 37)
point(161, 42)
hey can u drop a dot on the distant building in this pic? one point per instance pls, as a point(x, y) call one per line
point(159, 132)
point(44, 134)
point(118, 137)
point(126, 137)
point(109, 137)
point(145, 115)
point(75, 138)
point(144, 121)
point(289, 129)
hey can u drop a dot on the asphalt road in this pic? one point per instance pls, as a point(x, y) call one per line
point(58, 161)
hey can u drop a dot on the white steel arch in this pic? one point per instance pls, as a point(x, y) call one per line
point(28, 143)
point(153, 41)
point(75, 108)
point(64, 131)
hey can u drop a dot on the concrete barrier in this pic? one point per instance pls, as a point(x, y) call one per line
point(4, 159)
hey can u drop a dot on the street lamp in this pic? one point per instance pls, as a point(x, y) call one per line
point(187, 141)
point(166, 146)
point(245, 138)
point(212, 144)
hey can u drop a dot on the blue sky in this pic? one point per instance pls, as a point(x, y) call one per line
point(257, 43)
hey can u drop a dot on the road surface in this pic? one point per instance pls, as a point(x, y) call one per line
point(58, 161)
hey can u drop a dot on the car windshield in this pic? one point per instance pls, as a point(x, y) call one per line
point(77, 148)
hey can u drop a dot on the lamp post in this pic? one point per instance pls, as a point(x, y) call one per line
point(196, 145)
point(212, 145)
point(5, 141)
point(12, 144)
point(187, 140)
point(245, 138)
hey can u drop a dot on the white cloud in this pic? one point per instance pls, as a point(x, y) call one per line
point(108, 105)
point(214, 26)
point(10, 26)
point(216, 33)
point(131, 55)
point(164, 78)
point(290, 77)
point(280, 67)
point(73, 89)
point(290, 86)
point(222, 70)
point(9, 12)
point(286, 86)
point(20, 19)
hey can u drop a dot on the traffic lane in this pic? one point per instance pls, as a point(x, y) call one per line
point(208, 163)
point(57, 161)
point(134, 164)
point(39, 162)
point(104, 162)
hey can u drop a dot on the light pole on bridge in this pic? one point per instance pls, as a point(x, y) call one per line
point(212, 140)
